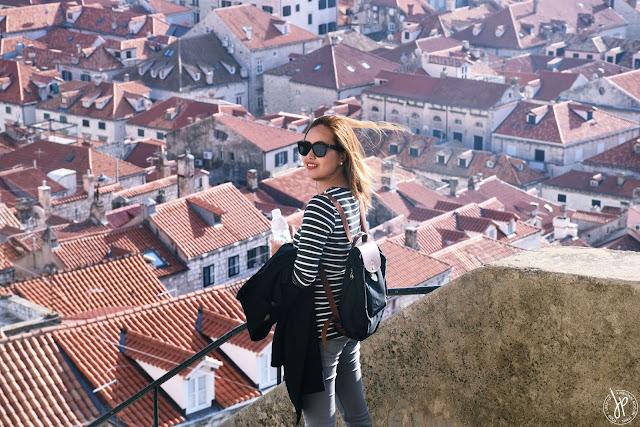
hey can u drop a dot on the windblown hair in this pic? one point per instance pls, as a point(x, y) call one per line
point(359, 175)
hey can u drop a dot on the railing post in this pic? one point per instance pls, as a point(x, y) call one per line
point(156, 416)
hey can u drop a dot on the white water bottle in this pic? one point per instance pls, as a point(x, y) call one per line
point(279, 227)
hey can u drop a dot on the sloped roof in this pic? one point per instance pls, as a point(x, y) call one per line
point(264, 32)
point(554, 83)
point(144, 150)
point(64, 39)
point(149, 187)
point(126, 282)
point(21, 89)
point(620, 156)
point(266, 138)
point(629, 81)
point(35, 17)
point(193, 236)
point(443, 91)
point(407, 267)
point(561, 124)
point(331, 67)
point(581, 181)
point(116, 23)
point(9, 45)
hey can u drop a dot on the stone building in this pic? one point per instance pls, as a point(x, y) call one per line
point(335, 71)
point(622, 159)
point(448, 108)
point(227, 147)
point(555, 138)
point(258, 41)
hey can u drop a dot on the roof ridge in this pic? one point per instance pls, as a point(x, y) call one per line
point(335, 68)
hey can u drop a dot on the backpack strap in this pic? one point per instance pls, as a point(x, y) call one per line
point(343, 217)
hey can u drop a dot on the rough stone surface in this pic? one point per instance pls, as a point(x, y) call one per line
point(536, 339)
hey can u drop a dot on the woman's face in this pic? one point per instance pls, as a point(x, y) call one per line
point(327, 169)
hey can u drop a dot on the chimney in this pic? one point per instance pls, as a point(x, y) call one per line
point(453, 186)
point(252, 180)
point(389, 173)
point(24, 210)
point(161, 197)
point(44, 198)
point(561, 224)
point(334, 41)
point(535, 7)
point(186, 171)
point(127, 77)
point(621, 178)
point(88, 183)
point(50, 238)
point(515, 83)
point(410, 8)
point(636, 147)
point(98, 211)
point(148, 209)
point(534, 208)
point(163, 168)
point(411, 238)
point(471, 184)
point(443, 73)
point(79, 49)
point(572, 230)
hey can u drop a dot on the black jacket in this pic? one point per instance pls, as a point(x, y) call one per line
point(271, 297)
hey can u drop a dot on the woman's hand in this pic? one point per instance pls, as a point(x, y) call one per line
point(276, 244)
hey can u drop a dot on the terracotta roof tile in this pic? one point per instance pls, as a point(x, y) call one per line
point(167, 8)
point(553, 83)
point(120, 217)
point(21, 89)
point(595, 217)
point(125, 282)
point(581, 181)
point(264, 32)
point(622, 156)
point(185, 109)
point(215, 325)
point(407, 267)
point(10, 45)
point(473, 253)
point(193, 236)
point(149, 187)
point(67, 40)
point(117, 23)
point(87, 250)
point(145, 150)
point(330, 67)
point(267, 138)
point(31, 17)
point(7, 217)
point(561, 124)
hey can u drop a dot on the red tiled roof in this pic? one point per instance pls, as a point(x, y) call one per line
point(444, 91)
point(121, 216)
point(629, 81)
point(100, 60)
point(553, 83)
point(193, 236)
point(30, 18)
point(87, 250)
point(264, 32)
point(620, 156)
point(561, 124)
point(473, 253)
point(156, 116)
point(215, 325)
point(407, 267)
point(149, 187)
point(114, 22)
point(624, 243)
point(167, 7)
point(24, 181)
point(422, 214)
point(117, 106)
point(7, 217)
point(595, 217)
point(21, 89)
point(67, 40)
point(330, 67)
point(581, 181)
point(37, 384)
point(125, 282)
point(11, 44)
point(145, 150)
point(69, 157)
point(267, 138)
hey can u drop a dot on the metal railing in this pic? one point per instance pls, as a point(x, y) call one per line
point(155, 385)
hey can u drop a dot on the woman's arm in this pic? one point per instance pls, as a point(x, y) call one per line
point(318, 223)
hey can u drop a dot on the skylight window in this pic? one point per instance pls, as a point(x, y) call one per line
point(350, 68)
point(317, 67)
point(168, 52)
point(100, 21)
point(69, 159)
point(365, 65)
point(71, 38)
point(155, 258)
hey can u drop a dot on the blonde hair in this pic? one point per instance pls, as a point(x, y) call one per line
point(358, 174)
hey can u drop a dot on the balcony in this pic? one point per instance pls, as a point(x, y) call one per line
point(539, 338)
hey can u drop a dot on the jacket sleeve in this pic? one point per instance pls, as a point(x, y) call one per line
point(318, 223)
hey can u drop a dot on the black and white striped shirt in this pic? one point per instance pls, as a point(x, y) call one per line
point(321, 237)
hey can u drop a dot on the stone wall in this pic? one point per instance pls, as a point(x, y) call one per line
point(536, 339)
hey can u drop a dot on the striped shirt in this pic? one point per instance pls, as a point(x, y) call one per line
point(322, 237)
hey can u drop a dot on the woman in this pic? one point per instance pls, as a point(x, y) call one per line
point(333, 157)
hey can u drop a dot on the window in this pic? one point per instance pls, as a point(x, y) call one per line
point(197, 393)
point(531, 119)
point(129, 54)
point(393, 149)
point(322, 4)
point(438, 133)
point(102, 125)
point(257, 256)
point(392, 27)
point(595, 202)
point(66, 75)
point(195, 2)
point(260, 100)
point(209, 275)
point(437, 119)
point(85, 123)
point(281, 158)
point(413, 152)
point(297, 8)
point(160, 135)
point(157, 260)
point(221, 155)
point(296, 154)
point(479, 124)
point(406, 35)
point(478, 142)
point(234, 265)
point(539, 155)
point(331, 27)
point(259, 66)
point(458, 121)
point(562, 198)
point(239, 99)
point(462, 162)
point(7, 109)
point(331, 3)
point(575, 55)
point(457, 136)
point(441, 159)
point(610, 59)
point(550, 53)
point(47, 116)
point(63, 119)
point(589, 56)
point(267, 9)
point(232, 156)
point(196, 17)
point(117, 53)
point(322, 29)
point(85, 77)
point(286, 11)
point(309, 19)
point(375, 109)
point(218, 134)
point(226, 3)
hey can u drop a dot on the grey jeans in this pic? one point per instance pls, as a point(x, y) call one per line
point(343, 388)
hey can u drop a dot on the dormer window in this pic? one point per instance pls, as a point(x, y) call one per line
point(477, 29)
point(499, 30)
point(462, 163)
point(589, 115)
point(413, 152)
point(596, 180)
point(197, 393)
point(393, 149)
point(441, 159)
point(531, 119)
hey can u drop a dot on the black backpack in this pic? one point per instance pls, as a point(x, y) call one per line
point(364, 289)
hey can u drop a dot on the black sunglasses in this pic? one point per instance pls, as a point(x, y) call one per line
point(319, 148)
